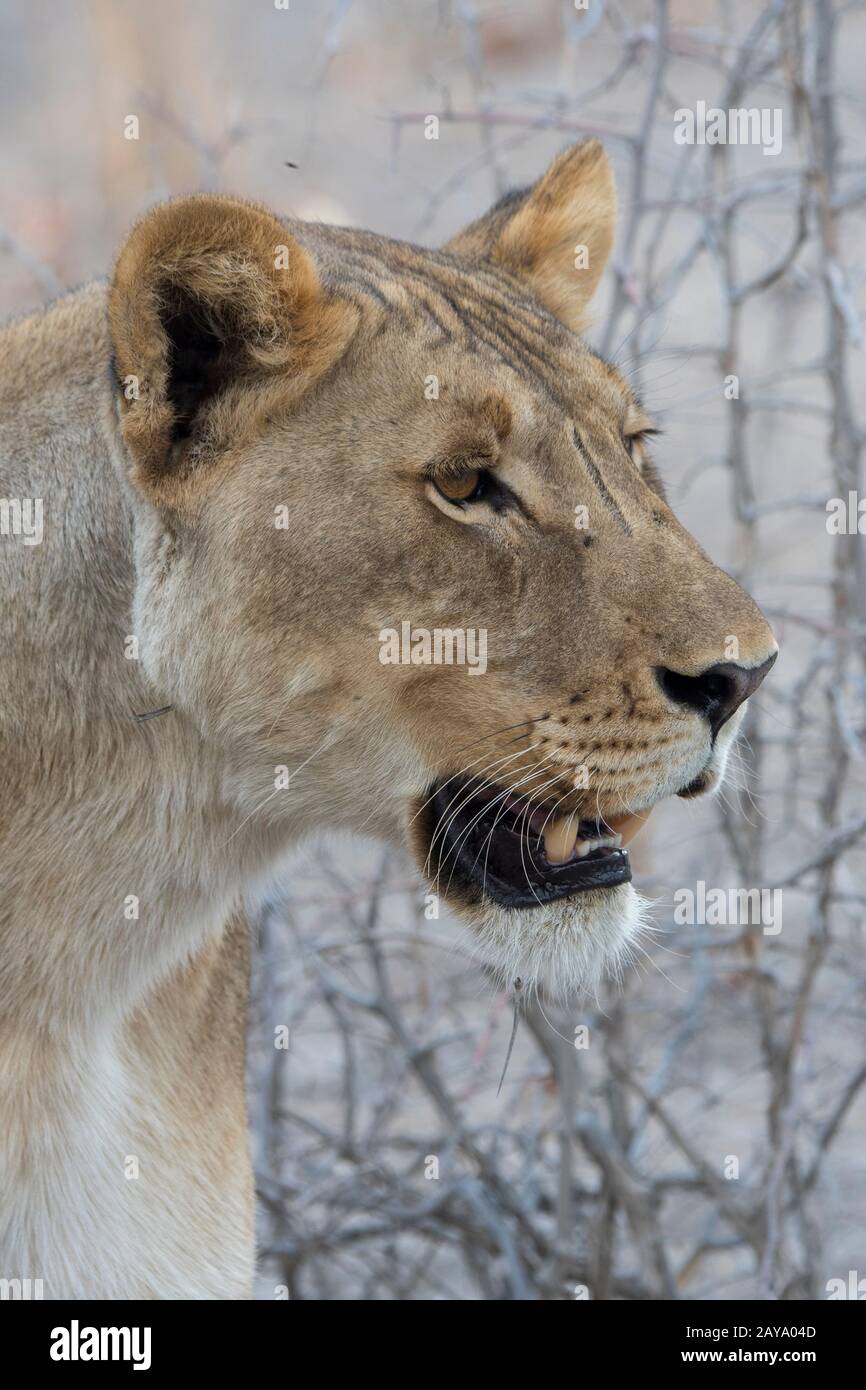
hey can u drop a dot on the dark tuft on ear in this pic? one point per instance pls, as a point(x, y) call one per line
point(195, 352)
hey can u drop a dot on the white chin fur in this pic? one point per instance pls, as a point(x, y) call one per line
point(570, 946)
point(565, 947)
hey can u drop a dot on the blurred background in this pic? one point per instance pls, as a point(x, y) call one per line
point(696, 1131)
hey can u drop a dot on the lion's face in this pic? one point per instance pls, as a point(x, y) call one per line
point(400, 541)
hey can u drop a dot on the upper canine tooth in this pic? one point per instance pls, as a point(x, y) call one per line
point(559, 838)
point(628, 825)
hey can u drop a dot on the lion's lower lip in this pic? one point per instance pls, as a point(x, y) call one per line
point(480, 842)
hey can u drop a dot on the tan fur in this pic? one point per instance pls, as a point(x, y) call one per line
point(571, 209)
point(300, 392)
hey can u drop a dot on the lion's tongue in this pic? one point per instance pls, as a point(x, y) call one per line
point(562, 841)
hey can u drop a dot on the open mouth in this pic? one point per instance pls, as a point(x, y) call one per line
point(500, 847)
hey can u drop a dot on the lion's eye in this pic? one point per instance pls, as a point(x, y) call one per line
point(636, 444)
point(468, 487)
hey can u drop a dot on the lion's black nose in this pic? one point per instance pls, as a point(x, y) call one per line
point(717, 692)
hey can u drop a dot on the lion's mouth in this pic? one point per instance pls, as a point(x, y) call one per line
point(496, 845)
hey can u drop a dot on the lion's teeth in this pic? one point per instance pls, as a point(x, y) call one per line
point(561, 842)
point(629, 824)
point(585, 847)
point(560, 836)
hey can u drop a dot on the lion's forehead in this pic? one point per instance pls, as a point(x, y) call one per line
point(471, 319)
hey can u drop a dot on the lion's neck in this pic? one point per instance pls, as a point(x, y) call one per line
point(122, 848)
point(122, 852)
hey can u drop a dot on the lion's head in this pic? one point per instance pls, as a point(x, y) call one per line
point(402, 553)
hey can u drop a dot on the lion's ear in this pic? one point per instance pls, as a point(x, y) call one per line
point(556, 235)
point(217, 318)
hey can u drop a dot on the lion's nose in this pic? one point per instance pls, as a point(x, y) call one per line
point(717, 692)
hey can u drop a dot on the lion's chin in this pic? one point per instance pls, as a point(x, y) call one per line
point(564, 948)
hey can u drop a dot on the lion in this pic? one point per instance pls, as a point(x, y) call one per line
point(260, 452)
